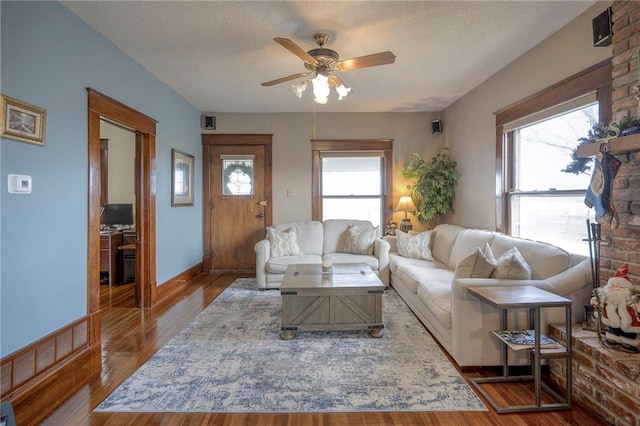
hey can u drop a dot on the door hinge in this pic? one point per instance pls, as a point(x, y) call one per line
point(210, 205)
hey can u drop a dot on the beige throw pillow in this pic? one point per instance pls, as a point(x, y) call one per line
point(416, 246)
point(478, 264)
point(283, 243)
point(359, 241)
point(512, 266)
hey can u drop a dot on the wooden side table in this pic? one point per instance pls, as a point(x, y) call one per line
point(534, 299)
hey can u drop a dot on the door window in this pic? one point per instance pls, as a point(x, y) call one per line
point(237, 175)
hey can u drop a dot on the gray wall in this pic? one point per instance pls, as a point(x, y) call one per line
point(470, 122)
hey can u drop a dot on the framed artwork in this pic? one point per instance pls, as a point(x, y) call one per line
point(181, 178)
point(22, 121)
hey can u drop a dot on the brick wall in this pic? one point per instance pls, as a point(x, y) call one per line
point(604, 380)
point(623, 243)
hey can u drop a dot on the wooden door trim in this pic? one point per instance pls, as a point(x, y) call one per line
point(237, 139)
point(100, 107)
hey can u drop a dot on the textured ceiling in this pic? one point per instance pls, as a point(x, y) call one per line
point(216, 53)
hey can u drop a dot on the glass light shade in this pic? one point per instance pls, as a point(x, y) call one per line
point(320, 89)
point(298, 88)
point(342, 91)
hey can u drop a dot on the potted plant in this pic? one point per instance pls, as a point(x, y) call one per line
point(434, 185)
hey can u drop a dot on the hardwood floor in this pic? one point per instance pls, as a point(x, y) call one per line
point(130, 336)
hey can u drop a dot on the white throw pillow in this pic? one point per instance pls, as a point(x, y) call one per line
point(479, 264)
point(512, 266)
point(283, 243)
point(415, 246)
point(359, 241)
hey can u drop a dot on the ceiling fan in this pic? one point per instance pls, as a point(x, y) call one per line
point(322, 62)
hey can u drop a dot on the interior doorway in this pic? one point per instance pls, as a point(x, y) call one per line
point(104, 108)
point(117, 215)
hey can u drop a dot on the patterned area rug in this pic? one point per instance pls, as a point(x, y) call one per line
point(231, 359)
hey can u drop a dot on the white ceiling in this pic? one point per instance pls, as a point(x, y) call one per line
point(216, 53)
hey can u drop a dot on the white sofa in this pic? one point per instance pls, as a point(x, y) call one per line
point(459, 321)
point(319, 241)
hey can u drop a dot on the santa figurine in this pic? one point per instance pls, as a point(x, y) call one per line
point(619, 303)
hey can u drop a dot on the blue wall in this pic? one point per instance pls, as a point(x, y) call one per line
point(49, 57)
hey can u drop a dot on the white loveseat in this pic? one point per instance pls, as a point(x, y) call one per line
point(318, 242)
point(461, 323)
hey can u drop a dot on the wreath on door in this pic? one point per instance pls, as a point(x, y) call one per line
point(235, 168)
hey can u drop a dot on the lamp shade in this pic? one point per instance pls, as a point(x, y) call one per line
point(405, 205)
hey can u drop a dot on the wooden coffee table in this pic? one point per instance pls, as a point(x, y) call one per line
point(348, 298)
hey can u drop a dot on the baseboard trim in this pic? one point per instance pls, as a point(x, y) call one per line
point(171, 286)
point(41, 376)
point(27, 365)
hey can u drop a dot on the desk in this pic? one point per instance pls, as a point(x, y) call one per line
point(532, 298)
point(118, 256)
point(128, 254)
point(109, 259)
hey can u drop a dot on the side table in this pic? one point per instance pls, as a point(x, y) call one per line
point(534, 299)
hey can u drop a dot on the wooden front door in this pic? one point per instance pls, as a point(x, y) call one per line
point(237, 199)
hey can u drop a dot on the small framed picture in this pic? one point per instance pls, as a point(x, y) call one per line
point(181, 178)
point(22, 121)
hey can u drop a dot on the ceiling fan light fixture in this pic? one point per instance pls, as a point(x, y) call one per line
point(298, 88)
point(342, 91)
point(320, 88)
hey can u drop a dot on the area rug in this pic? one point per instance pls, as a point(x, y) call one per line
point(231, 359)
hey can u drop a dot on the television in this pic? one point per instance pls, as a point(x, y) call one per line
point(117, 214)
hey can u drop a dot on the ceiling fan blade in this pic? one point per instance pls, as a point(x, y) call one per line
point(382, 58)
point(296, 50)
point(287, 78)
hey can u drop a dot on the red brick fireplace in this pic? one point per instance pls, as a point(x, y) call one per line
point(605, 380)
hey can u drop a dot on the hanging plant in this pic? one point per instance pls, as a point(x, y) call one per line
point(434, 185)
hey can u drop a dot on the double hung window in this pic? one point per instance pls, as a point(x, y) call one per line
point(352, 186)
point(351, 180)
point(546, 203)
point(536, 199)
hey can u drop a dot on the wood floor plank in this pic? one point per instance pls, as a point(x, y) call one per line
point(131, 336)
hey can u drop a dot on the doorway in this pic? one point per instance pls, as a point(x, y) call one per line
point(236, 199)
point(102, 107)
point(117, 217)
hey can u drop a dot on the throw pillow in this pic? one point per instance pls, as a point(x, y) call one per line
point(359, 241)
point(479, 264)
point(512, 266)
point(283, 243)
point(415, 246)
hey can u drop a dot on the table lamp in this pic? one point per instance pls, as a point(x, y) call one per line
point(405, 205)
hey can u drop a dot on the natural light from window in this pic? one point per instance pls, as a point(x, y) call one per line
point(352, 188)
point(547, 204)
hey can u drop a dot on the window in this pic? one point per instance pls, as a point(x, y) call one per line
point(237, 176)
point(546, 203)
point(352, 183)
point(350, 180)
point(536, 137)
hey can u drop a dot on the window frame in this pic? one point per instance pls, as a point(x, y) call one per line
point(320, 146)
point(595, 78)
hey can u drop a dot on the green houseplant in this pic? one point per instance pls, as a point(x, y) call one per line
point(434, 185)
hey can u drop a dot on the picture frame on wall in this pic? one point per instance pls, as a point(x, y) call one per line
point(182, 165)
point(22, 122)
